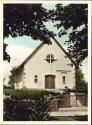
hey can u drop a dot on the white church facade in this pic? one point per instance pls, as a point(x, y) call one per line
point(47, 67)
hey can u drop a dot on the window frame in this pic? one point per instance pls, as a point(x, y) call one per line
point(64, 79)
point(35, 79)
point(50, 58)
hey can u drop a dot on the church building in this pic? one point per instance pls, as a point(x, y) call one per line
point(47, 67)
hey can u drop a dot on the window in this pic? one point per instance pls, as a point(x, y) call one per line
point(50, 58)
point(35, 78)
point(64, 80)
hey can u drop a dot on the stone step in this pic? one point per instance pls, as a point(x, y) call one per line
point(84, 108)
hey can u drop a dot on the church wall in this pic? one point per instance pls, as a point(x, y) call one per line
point(37, 65)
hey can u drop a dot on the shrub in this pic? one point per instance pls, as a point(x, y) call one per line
point(7, 87)
point(25, 105)
point(30, 94)
point(16, 109)
point(51, 95)
point(23, 94)
point(39, 110)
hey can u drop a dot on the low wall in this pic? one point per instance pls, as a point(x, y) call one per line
point(54, 105)
point(78, 99)
point(66, 100)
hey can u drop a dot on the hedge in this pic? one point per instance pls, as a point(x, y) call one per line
point(29, 94)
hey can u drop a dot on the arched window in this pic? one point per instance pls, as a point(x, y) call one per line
point(35, 78)
point(64, 80)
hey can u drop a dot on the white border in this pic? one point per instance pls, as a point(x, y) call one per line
point(1, 62)
point(89, 64)
point(46, 1)
point(89, 60)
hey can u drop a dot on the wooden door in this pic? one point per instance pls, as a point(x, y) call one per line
point(50, 82)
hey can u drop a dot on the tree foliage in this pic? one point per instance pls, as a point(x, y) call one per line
point(6, 56)
point(11, 78)
point(75, 17)
point(26, 19)
point(29, 20)
point(80, 82)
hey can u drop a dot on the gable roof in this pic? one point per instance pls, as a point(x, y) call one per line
point(30, 56)
point(64, 51)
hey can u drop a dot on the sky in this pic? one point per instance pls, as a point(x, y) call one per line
point(20, 47)
point(30, 43)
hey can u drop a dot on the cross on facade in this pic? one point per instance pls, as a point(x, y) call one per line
point(50, 59)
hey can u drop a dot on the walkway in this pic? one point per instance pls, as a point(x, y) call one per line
point(72, 111)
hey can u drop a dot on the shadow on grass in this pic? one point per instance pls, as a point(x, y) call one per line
point(71, 118)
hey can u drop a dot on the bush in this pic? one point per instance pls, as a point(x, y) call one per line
point(23, 94)
point(39, 110)
point(26, 105)
point(7, 87)
point(30, 94)
point(78, 90)
point(26, 109)
point(15, 110)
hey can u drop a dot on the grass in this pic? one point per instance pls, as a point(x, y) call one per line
point(13, 91)
point(71, 118)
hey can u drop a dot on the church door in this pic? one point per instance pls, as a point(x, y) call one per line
point(50, 82)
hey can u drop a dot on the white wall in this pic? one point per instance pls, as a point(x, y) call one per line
point(37, 65)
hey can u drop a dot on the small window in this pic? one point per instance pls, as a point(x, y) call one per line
point(64, 80)
point(35, 78)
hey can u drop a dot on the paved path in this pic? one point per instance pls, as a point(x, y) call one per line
point(72, 111)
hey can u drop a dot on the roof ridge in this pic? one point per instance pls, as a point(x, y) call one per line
point(64, 50)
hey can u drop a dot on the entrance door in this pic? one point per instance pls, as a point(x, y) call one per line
point(50, 82)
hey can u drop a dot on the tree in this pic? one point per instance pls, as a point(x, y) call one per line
point(11, 78)
point(80, 82)
point(29, 19)
point(5, 54)
point(75, 17)
point(25, 19)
